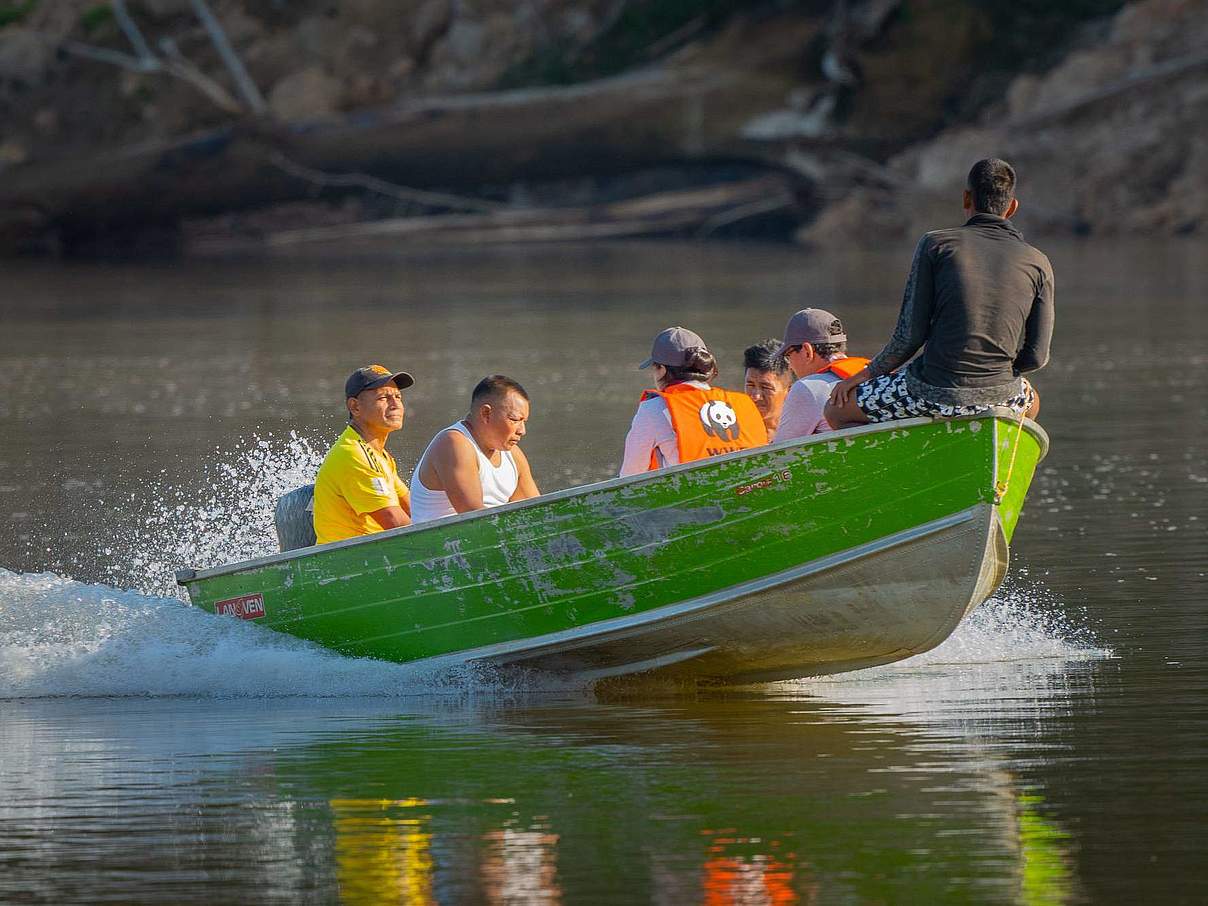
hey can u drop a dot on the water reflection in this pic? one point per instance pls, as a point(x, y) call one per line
point(737, 871)
point(383, 851)
point(520, 866)
point(808, 794)
point(1003, 773)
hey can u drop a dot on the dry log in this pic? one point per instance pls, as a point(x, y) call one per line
point(685, 212)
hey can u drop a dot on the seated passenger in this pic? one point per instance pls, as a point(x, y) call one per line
point(686, 419)
point(976, 316)
point(816, 349)
point(767, 381)
point(357, 490)
point(475, 463)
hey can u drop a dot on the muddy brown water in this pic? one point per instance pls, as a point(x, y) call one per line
point(1055, 750)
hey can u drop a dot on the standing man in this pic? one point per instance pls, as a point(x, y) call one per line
point(358, 491)
point(816, 349)
point(766, 380)
point(476, 463)
point(979, 303)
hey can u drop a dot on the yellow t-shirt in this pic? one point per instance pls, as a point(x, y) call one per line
point(354, 481)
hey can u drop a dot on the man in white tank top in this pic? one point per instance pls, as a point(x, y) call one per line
point(476, 463)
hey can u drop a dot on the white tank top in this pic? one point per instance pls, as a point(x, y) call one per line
point(498, 482)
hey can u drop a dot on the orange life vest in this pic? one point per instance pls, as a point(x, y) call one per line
point(710, 422)
point(845, 368)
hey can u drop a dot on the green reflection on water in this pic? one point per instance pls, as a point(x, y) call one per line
point(724, 803)
point(1043, 848)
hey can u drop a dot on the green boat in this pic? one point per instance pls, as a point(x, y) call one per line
point(818, 555)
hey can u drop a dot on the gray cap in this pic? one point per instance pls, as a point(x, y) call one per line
point(811, 325)
point(671, 347)
point(373, 376)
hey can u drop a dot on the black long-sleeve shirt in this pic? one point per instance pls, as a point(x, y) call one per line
point(979, 303)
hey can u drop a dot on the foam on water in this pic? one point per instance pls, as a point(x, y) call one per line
point(1017, 657)
point(59, 637)
point(1021, 622)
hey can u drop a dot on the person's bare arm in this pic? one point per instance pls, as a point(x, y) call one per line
point(453, 468)
point(389, 517)
point(526, 487)
point(841, 393)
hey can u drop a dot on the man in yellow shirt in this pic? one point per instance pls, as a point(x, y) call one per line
point(358, 491)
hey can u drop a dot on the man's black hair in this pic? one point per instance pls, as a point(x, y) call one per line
point(494, 387)
point(992, 184)
point(762, 357)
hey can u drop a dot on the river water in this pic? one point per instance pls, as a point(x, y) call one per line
point(1055, 750)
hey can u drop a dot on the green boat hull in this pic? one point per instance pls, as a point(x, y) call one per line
point(814, 556)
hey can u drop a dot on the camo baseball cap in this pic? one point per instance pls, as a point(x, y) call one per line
point(373, 376)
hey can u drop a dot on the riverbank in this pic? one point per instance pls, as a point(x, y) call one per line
point(145, 129)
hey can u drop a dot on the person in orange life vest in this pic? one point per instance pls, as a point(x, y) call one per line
point(816, 348)
point(685, 419)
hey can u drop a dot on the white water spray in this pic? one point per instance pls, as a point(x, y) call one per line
point(225, 518)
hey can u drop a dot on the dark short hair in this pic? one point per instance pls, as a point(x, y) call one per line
point(764, 356)
point(495, 387)
point(992, 185)
point(826, 350)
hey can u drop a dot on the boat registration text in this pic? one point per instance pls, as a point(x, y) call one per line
point(765, 482)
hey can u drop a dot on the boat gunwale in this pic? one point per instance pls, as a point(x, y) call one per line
point(998, 412)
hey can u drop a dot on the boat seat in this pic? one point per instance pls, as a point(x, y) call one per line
point(294, 518)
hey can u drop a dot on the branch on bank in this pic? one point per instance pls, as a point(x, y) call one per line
point(247, 88)
point(691, 212)
point(173, 63)
point(382, 187)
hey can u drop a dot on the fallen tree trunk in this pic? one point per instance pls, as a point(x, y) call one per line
point(694, 212)
point(650, 118)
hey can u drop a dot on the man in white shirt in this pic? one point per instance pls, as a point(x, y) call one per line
point(816, 348)
point(477, 462)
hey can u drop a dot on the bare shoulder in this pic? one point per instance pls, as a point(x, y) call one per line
point(451, 446)
point(521, 459)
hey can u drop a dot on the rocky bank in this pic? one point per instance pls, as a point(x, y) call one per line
point(858, 118)
point(1113, 139)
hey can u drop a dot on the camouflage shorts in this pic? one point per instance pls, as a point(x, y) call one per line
point(886, 398)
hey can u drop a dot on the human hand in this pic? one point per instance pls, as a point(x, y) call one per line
point(842, 391)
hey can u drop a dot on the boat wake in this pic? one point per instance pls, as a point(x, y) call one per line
point(1017, 658)
point(1022, 622)
point(59, 637)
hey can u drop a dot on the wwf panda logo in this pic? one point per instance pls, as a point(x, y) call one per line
point(719, 419)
